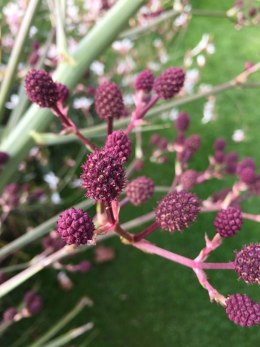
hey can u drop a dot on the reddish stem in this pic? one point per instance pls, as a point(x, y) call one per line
point(109, 125)
point(217, 266)
point(147, 231)
point(69, 125)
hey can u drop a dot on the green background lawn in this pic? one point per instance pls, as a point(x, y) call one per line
point(143, 300)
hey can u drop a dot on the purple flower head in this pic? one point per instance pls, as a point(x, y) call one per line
point(9, 314)
point(247, 175)
point(155, 139)
point(41, 89)
point(177, 211)
point(33, 302)
point(119, 143)
point(144, 81)
point(191, 145)
point(242, 310)
point(231, 160)
point(255, 186)
point(84, 266)
point(169, 82)
point(245, 163)
point(103, 176)
point(4, 157)
point(162, 144)
point(188, 179)
point(219, 157)
point(63, 92)
point(247, 263)
point(140, 190)
point(75, 226)
point(220, 144)
point(109, 101)
point(182, 122)
point(228, 221)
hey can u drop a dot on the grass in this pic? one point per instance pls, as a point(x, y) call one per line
point(142, 300)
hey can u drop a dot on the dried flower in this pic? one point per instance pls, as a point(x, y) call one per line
point(177, 211)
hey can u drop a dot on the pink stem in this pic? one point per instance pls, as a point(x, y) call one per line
point(146, 232)
point(140, 113)
point(217, 266)
point(69, 125)
point(211, 245)
point(149, 247)
point(124, 201)
point(253, 217)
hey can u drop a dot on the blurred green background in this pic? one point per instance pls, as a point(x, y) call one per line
point(143, 300)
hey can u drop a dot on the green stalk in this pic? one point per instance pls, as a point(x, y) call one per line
point(69, 336)
point(19, 141)
point(95, 131)
point(36, 233)
point(16, 53)
point(64, 321)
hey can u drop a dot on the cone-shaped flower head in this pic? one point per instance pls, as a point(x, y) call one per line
point(75, 226)
point(119, 143)
point(169, 82)
point(182, 122)
point(242, 310)
point(41, 89)
point(103, 176)
point(144, 81)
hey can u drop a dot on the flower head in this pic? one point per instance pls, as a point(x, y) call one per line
point(242, 310)
point(4, 157)
point(169, 82)
point(182, 122)
point(41, 89)
point(144, 81)
point(177, 211)
point(9, 314)
point(188, 179)
point(228, 221)
point(247, 263)
point(140, 190)
point(109, 101)
point(75, 226)
point(220, 144)
point(103, 176)
point(33, 302)
point(63, 92)
point(119, 143)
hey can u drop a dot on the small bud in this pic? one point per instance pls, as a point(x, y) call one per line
point(228, 222)
point(144, 81)
point(220, 144)
point(9, 314)
point(182, 122)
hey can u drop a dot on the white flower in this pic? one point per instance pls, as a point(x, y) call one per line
point(201, 60)
point(13, 102)
point(55, 198)
point(82, 102)
point(192, 77)
point(52, 180)
point(33, 31)
point(123, 46)
point(238, 135)
point(208, 111)
point(97, 67)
